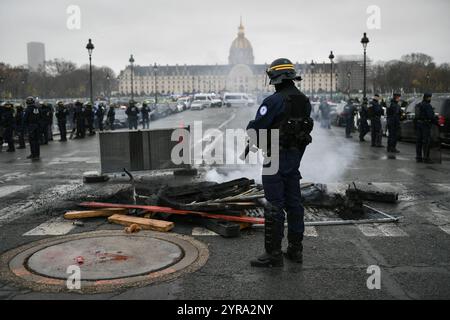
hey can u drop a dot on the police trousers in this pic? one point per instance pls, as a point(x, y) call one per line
point(132, 123)
point(376, 131)
point(393, 129)
point(34, 135)
point(282, 191)
point(423, 140)
point(363, 128)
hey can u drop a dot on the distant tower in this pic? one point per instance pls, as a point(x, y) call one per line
point(36, 55)
point(241, 51)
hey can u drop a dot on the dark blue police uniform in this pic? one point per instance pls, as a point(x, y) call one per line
point(424, 119)
point(32, 120)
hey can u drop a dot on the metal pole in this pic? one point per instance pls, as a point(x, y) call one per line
point(132, 83)
point(331, 80)
point(90, 79)
point(364, 91)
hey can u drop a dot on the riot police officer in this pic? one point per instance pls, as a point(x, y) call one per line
point(8, 124)
point(89, 117)
point(79, 120)
point(349, 113)
point(111, 117)
point(289, 111)
point(32, 121)
point(100, 114)
point(145, 111)
point(61, 116)
point(46, 120)
point(132, 113)
point(20, 127)
point(375, 113)
point(1, 127)
point(424, 119)
point(325, 111)
point(393, 123)
point(363, 117)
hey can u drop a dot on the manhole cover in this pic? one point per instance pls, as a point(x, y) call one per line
point(107, 260)
point(104, 258)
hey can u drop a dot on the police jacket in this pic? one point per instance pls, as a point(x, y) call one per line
point(325, 110)
point(7, 117)
point(376, 110)
point(132, 111)
point(19, 118)
point(145, 112)
point(349, 110)
point(111, 113)
point(79, 113)
point(425, 113)
point(46, 114)
point(288, 110)
point(61, 114)
point(100, 113)
point(393, 112)
point(32, 116)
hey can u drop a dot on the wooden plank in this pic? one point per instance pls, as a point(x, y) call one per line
point(144, 223)
point(173, 211)
point(71, 215)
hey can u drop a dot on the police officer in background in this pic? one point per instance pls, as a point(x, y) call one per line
point(393, 114)
point(132, 113)
point(20, 127)
point(145, 111)
point(325, 111)
point(100, 114)
point(79, 120)
point(111, 117)
point(349, 113)
point(363, 117)
point(8, 125)
point(287, 110)
point(89, 117)
point(375, 113)
point(61, 115)
point(46, 120)
point(32, 121)
point(424, 120)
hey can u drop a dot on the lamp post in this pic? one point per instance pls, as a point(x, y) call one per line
point(364, 42)
point(132, 76)
point(155, 72)
point(331, 57)
point(312, 77)
point(108, 79)
point(428, 82)
point(349, 77)
point(2, 80)
point(90, 48)
point(193, 84)
point(24, 91)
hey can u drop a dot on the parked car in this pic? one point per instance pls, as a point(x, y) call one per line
point(201, 101)
point(441, 106)
point(216, 101)
point(238, 100)
point(184, 103)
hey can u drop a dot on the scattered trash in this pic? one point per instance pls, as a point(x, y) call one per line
point(143, 223)
point(94, 177)
point(78, 223)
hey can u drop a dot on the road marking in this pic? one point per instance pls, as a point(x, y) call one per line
point(445, 228)
point(406, 171)
point(53, 227)
point(7, 190)
point(381, 230)
point(199, 231)
point(311, 232)
point(438, 216)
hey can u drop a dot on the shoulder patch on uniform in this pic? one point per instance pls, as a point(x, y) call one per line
point(263, 110)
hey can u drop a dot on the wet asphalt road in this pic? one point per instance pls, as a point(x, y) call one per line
point(413, 255)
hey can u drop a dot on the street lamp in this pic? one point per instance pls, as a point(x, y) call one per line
point(24, 91)
point(312, 76)
point(90, 48)
point(331, 57)
point(155, 72)
point(349, 76)
point(132, 74)
point(428, 82)
point(108, 78)
point(2, 80)
point(364, 42)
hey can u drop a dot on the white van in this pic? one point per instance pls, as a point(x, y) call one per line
point(201, 101)
point(237, 100)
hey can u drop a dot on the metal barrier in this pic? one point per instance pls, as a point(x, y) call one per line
point(140, 150)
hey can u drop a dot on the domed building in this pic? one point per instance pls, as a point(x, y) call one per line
point(241, 51)
point(241, 74)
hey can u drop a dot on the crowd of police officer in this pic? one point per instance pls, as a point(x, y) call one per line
point(424, 119)
point(36, 122)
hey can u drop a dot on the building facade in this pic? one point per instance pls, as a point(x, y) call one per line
point(36, 55)
point(241, 74)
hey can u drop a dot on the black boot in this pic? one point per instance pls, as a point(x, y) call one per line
point(272, 242)
point(294, 250)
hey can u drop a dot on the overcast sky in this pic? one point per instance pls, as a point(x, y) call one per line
point(201, 31)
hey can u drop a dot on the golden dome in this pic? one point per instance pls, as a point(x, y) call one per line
point(241, 51)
